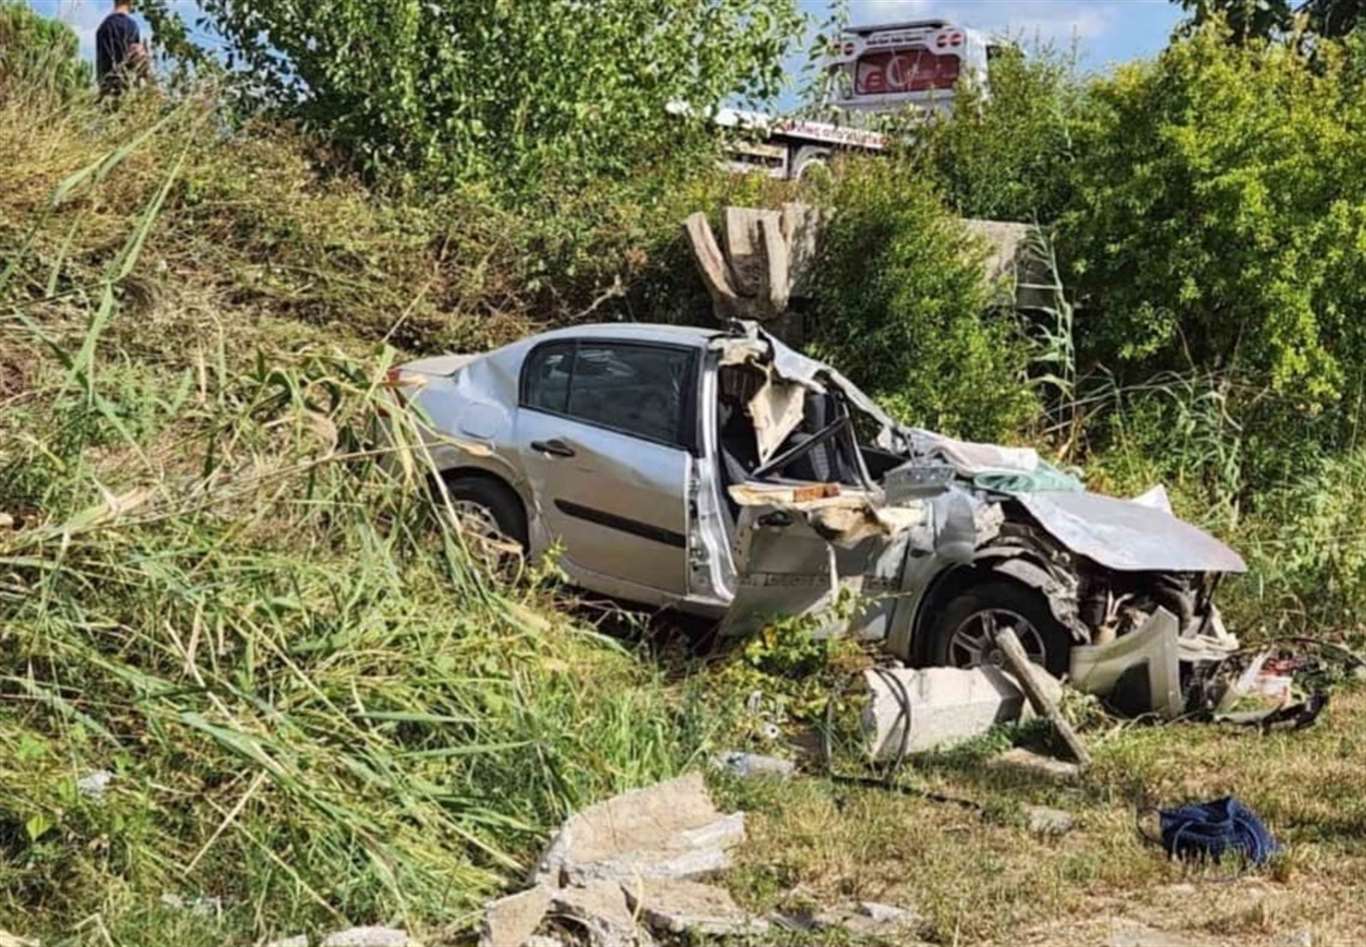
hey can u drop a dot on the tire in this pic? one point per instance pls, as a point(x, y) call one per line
point(495, 499)
point(959, 625)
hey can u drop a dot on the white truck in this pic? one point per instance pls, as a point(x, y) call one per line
point(876, 68)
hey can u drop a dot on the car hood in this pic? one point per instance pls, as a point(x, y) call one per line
point(1127, 536)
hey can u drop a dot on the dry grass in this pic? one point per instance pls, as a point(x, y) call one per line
point(990, 881)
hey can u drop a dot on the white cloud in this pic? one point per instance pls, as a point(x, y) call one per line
point(1049, 21)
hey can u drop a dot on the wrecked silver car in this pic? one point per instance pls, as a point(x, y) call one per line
point(723, 473)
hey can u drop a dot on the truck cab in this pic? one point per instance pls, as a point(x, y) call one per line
point(889, 66)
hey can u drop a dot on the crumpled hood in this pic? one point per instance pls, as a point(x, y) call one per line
point(1126, 536)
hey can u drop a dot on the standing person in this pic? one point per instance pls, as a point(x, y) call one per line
point(120, 56)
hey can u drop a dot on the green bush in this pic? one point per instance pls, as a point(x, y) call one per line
point(38, 54)
point(902, 306)
point(1219, 217)
point(1005, 156)
point(520, 97)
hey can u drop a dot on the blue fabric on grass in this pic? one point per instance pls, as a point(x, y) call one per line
point(1209, 830)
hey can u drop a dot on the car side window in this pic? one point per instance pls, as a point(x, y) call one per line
point(636, 389)
point(641, 390)
point(546, 377)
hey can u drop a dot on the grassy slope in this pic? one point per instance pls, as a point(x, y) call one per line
point(314, 708)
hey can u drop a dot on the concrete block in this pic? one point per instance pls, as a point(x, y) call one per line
point(948, 706)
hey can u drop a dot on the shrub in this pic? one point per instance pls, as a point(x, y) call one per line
point(1005, 156)
point(38, 55)
point(1218, 217)
point(903, 307)
point(510, 95)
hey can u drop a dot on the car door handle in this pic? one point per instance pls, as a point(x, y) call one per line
point(554, 446)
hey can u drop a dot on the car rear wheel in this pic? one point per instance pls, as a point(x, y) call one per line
point(962, 634)
point(491, 515)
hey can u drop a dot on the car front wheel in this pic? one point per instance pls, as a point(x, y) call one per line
point(963, 633)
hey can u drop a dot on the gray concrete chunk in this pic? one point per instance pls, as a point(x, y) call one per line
point(510, 921)
point(601, 911)
point(750, 765)
point(1043, 820)
point(678, 907)
point(1028, 763)
point(948, 706)
point(670, 830)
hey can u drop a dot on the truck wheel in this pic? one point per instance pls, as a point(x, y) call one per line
point(490, 512)
point(961, 634)
point(810, 160)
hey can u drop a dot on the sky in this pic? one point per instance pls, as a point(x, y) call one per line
point(1106, 31)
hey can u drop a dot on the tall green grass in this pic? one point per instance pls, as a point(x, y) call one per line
point(222, 585)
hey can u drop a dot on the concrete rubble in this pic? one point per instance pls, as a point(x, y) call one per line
point(677, 907)
point(750, 765)
point(947, 706)
point(1043, 820)
point(599, 908)
point(619, 869)
point(1027, 763)
point(670, 830)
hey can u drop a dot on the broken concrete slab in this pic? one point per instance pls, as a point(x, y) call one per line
point(750, 765)
point(1043, 820)
point(510, 921)
point(600, 909)
point(947, 706)
point(669, 830)
point(298, 940)
point(1028, 763)
point(671, 906)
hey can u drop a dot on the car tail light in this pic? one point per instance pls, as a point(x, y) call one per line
point(848, 49)
point(941, 41)
point(956, 39)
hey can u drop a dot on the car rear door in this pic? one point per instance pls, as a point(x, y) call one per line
point(606, 429)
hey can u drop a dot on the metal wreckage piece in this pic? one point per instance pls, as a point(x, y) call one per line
point(1130, 582)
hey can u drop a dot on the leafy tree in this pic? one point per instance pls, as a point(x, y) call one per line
point(506, 92)
point(38, 52)
point(1265, 19)
point(903, 307)
point(1219, 216)
point(1005, 155)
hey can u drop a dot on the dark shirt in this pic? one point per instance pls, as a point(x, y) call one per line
point(113, 42)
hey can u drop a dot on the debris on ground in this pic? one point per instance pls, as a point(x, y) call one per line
point(679, 907)
point(510, 921)
point(198, 906)
point(750, 765)
point(864, 919)
point(298, 940)
point(1207, 831)
point(669, 830)
point(599, 908)
point(942, 706)
point(93, 785)
point(1028, 763)
point(620, 868)
point(369, 937)
point(1043, 820)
